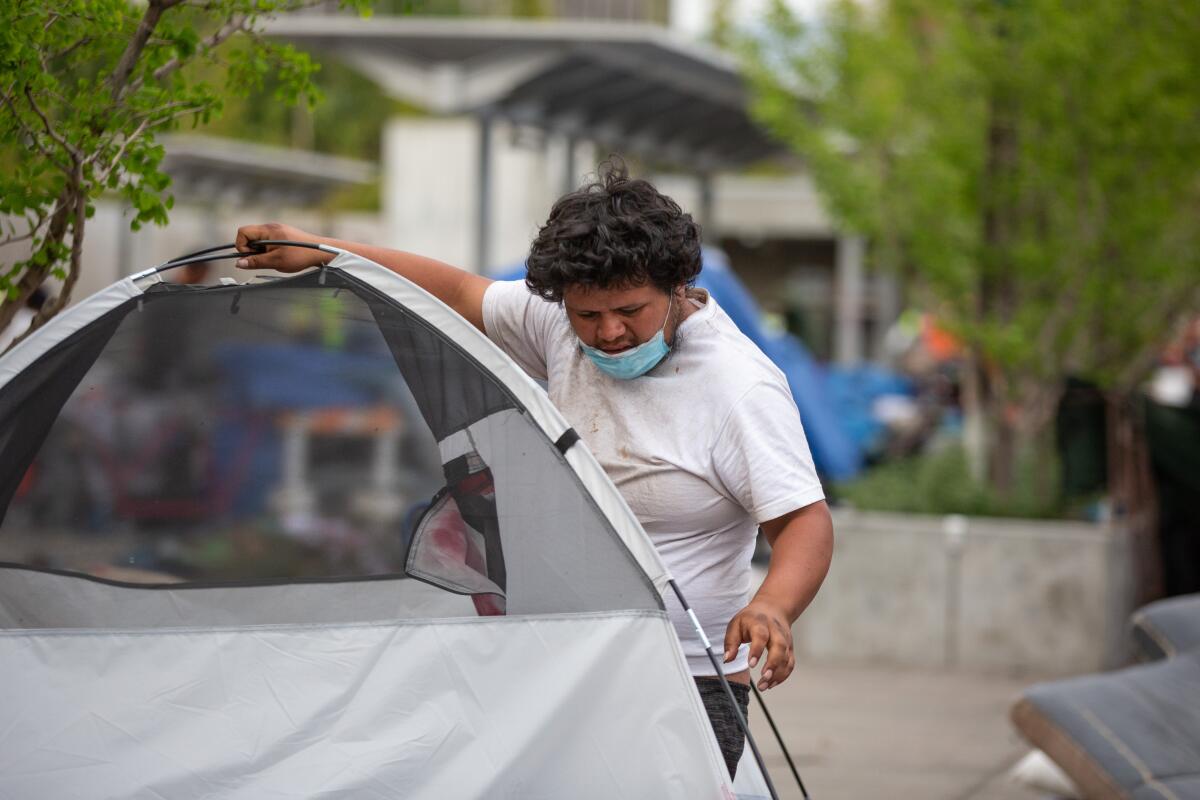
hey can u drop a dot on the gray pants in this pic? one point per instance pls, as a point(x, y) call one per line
point(730, 737)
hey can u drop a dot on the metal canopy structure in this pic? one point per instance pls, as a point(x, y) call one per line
point(241, 173)
point(633, 87)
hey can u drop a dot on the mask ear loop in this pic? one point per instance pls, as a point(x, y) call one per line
point(678, 319)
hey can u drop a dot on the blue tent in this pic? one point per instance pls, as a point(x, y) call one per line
point(837, 455)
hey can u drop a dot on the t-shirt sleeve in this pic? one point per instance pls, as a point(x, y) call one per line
point(761, 454)
point(521, 324)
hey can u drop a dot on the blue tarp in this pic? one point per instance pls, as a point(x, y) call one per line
point(853, 391)
point(837, 455)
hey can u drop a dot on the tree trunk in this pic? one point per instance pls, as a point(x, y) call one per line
point(996, 301)
point(1130, 484)
point(1131, 489)
point(975, 442)
point(1002, 460)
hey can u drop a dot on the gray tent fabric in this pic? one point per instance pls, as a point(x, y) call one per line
point(1134, 733)
point(41, 600)
point(31, 403)
point(419, 351)
point(1167, 627)
point(229, 434)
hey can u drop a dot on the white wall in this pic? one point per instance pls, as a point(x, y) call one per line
point(693, 18)
point(755, 207)
point(430, 190)
point(429, 168)
point(431, 174)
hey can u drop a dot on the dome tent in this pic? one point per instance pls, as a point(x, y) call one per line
point(215, 579)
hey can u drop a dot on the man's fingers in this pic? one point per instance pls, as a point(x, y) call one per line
point(772, 678)
point(759, 636)
point(780, 649)
point(242, 242)
point(733, 638)
point(775, 670)
point(782, 659)
point(774, 661)
point(250, 233)
point(267, 260)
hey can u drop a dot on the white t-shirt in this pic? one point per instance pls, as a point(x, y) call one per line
point(703, 447)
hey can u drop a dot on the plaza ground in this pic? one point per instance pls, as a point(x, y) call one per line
point(860, 733)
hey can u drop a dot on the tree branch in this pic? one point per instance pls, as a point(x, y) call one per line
point(1178, 310)
point(66, 51)
point(183, 104)
point(231, 27)
point(148, 120)
point(133, 51)
point(75, 155)
point(14, 238)
point(181, 113)
point(1048, 345)
point(28, 282)
point(33, 137)
point(130, 139)
point(34, 225)
point(77, 223)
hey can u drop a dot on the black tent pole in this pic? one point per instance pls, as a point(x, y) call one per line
point(200, 256)
point(779, 738)
point(762, 765)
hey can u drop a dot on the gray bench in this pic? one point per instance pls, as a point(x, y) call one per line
point(1133, 733)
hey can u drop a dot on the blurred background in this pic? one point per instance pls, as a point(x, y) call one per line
point(966, 232)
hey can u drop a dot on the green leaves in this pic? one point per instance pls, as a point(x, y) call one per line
point(85, 85)
point(1032, 163)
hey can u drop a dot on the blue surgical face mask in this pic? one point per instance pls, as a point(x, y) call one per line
point(636, 361)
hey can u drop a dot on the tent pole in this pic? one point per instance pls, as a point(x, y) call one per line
point(779, 738)
point(762, 765)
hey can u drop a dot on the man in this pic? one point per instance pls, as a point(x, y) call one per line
point(696, 427)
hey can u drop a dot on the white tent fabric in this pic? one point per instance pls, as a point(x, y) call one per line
point(380, 687)
point(749, 784)
point(587, 706)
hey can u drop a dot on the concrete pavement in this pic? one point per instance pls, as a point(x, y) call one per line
point(858, 733)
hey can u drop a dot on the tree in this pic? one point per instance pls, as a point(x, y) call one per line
point(349, 120)
point(85, 86)
point(1030, 164)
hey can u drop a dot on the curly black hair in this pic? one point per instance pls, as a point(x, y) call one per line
point(614, 232)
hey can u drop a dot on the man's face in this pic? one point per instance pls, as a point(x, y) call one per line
point(613, 320)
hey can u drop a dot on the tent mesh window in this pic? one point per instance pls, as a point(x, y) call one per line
point(309, 429)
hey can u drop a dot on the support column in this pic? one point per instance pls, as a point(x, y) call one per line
point(483, 220)
point(849, 286)
point(707, 220)
point(126, 265)
point(569, 167)
point(887, 310)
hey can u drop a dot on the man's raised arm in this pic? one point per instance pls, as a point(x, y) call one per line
point(459, 289)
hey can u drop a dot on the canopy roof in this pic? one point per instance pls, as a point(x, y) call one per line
point(633, 86)
point(245, 173)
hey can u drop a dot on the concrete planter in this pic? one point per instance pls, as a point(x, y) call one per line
point(977, 593)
